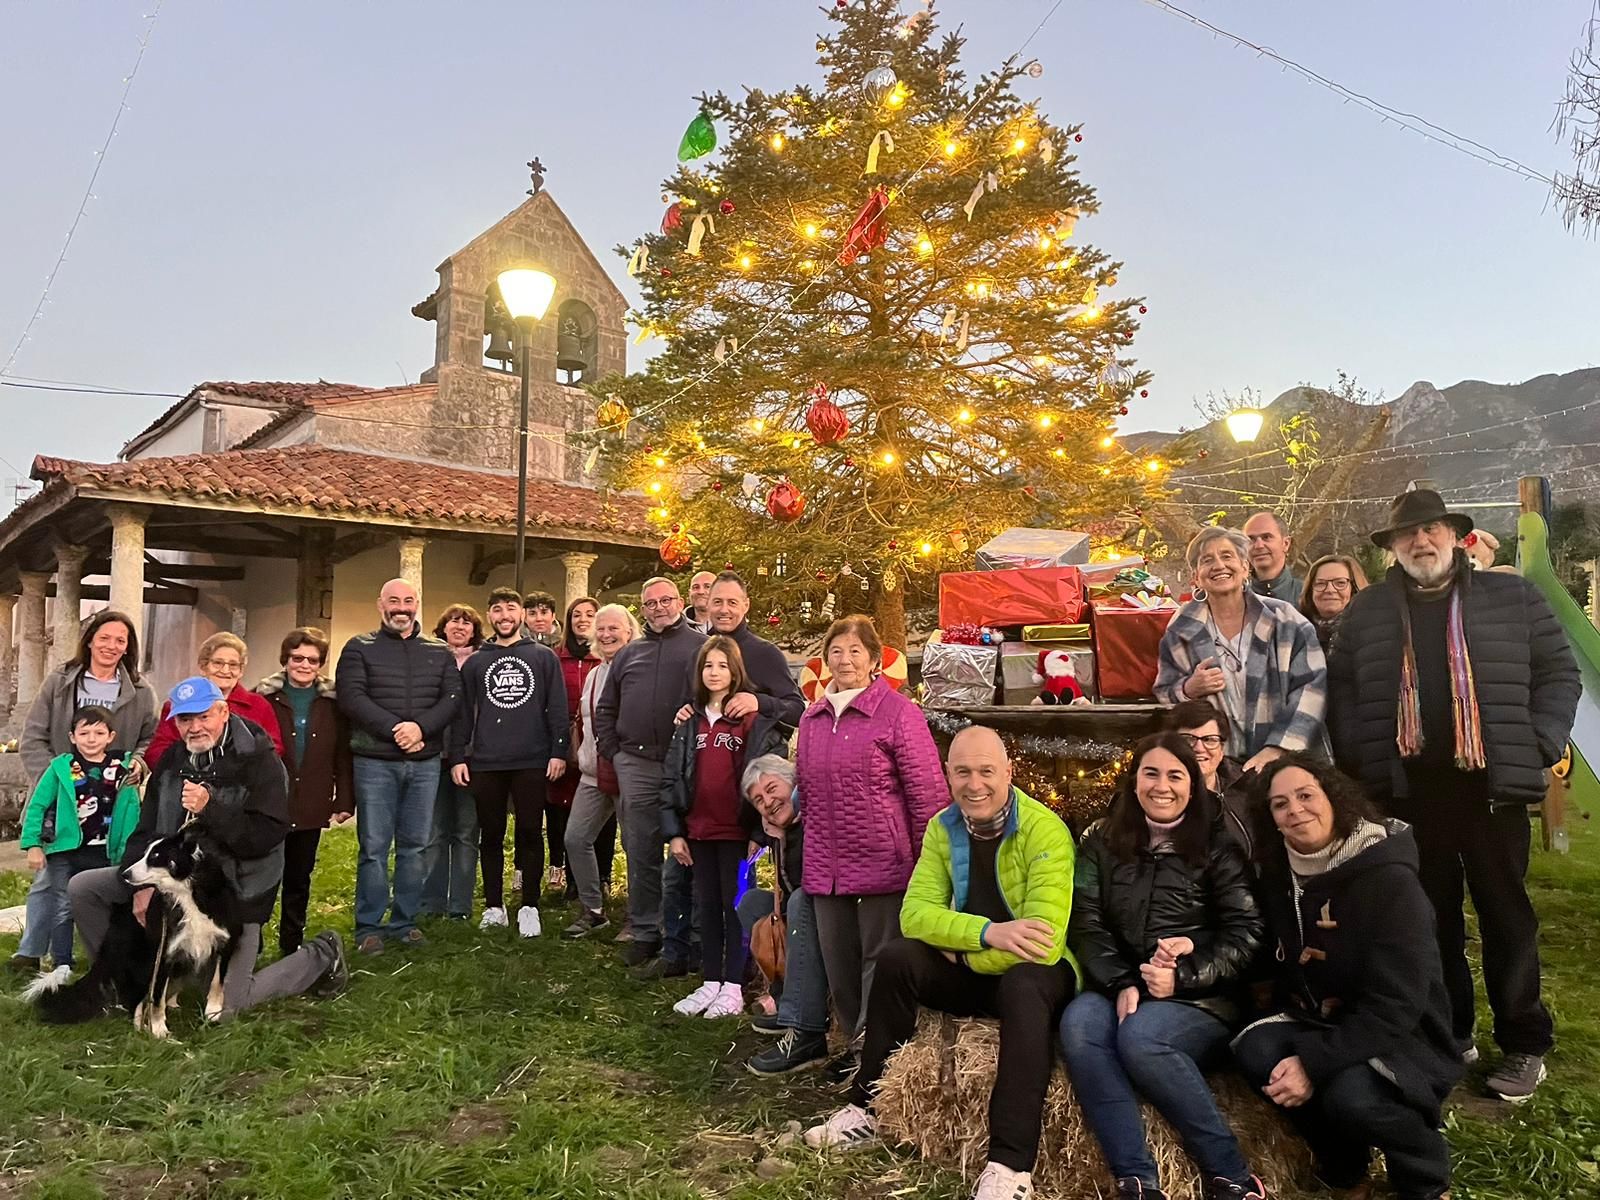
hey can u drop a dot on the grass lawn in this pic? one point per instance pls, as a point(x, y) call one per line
point(489, 1067)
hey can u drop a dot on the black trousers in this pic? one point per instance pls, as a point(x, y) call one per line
point(555, 824)
point(521, 792)
point(1348, 1115)
point(299, 860)
point(716, 883)
point(1028, 999)
point(1461, 839)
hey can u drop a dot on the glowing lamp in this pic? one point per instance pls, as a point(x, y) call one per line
point(526, 293)
point(1244, 424)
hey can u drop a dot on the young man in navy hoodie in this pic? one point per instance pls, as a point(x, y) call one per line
point(510, 742)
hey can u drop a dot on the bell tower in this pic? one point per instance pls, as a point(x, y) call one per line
point(580, 340)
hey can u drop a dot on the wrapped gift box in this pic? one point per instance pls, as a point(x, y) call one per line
point(1031, 596)
point(1033, 548)
point(958, 676)
point(1127, 647)
point(1055, 633)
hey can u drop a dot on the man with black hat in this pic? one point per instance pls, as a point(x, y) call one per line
point(1449, 694)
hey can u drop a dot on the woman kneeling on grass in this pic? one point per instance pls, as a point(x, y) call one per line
point(1164, 926)
point(705, 821)
point(1363, 1054)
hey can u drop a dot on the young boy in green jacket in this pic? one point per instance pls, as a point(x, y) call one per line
point(984, 923)
point(79, 816)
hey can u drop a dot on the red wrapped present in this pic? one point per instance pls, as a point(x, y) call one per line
point(1127, 649)
point(1025, 596)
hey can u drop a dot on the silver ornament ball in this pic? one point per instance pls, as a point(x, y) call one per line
point(878, 83)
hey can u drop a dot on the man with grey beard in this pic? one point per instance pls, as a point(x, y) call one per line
point(1450, 693)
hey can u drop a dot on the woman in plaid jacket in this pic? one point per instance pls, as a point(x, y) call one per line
point(1255, 658)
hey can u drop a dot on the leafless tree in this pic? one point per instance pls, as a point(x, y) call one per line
point(1578, 192)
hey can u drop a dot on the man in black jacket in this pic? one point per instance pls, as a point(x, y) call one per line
point(774, 694)
point(1450, 694)
point(228, 776)
point(510, 741)
point(400, 690)
point(649, 680)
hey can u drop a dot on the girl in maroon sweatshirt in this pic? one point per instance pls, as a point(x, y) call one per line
point(706, 821)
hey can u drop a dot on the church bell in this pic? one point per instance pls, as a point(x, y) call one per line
point(499, 348)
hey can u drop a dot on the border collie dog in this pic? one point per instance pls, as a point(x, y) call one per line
point(187, 934)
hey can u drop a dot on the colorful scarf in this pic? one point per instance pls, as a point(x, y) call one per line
point(1469, 753)
point(987, 831)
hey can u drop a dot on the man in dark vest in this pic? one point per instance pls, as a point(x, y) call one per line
point(1450, 694)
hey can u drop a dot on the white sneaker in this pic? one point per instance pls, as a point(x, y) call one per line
point(851, 1128)
point(729, 1002)
point(698, 1001)
point(1002, 1183)
point(493, 918)
point(528, 921)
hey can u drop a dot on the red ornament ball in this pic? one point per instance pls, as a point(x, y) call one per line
point(728, 566)
point(1205, 454)
point(1123, 410)
point(785, 503)
point(1061, 438)
point(893, 545)
point(665, 272)
point(775, 619)
point(1144, 393)
point(1077, 137)
point(822, 574)
point(848, 461)
point(1143, 309)
point(841, 3)
point(717, 487)
point(676, 528)
point(826, 420)
point(725, 207)
point(649, 449)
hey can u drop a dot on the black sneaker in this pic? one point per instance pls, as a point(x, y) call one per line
point(841, 1068)
point(660, 967)
point(337, 976)
point(794, 1051)
point(1226, 1189)
point(638, 953)
point(1517, 1077)
point(1132, 1189)
point(587, 923)
point(767, 1023)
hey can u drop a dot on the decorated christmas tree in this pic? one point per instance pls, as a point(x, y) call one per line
point(885, 337)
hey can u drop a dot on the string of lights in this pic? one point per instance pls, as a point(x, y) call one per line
point(88, 192)
point(1418, 125)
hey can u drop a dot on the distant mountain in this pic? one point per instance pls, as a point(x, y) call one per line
point(1475, 439)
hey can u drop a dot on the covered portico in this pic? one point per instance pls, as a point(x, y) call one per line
point(259, 541)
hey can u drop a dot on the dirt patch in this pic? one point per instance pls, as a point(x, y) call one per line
point(1479, 1107)
point(622, 1081)
point(317, 1093)
point(475, 1122)
point(189, 1182)
point(244, 1084)
point(622, 1160)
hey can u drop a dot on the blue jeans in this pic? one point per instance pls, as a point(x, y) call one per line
point(58, 871)
point(803, 1003)
point(678, 923)
point(450, 864)
point(394, 807)
point(38, 918)
point(1156, 1053)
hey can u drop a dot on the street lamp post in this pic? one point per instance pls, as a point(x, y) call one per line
point(526, 294)
point(1244, 424)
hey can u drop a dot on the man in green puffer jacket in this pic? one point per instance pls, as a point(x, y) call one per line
point(984, 923)
point(79, 816)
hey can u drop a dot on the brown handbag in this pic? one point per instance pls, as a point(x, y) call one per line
point(769, 940)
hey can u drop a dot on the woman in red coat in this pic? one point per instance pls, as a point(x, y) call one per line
point(577, 660)
point(223, 659)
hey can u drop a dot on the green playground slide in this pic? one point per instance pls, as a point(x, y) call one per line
point(1533, 560)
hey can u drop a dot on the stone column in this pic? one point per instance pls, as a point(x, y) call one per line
point(411, 549)
point(313, 604)
point(32, 647)
point(577, 565)
point(69, 601)
point(8, 607)
point(127, 560)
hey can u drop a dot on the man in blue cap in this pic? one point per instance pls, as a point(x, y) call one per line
point(230, 782)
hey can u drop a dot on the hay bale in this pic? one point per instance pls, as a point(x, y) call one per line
point(935, 1097)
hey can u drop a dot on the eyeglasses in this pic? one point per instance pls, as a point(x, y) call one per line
point(1211, 741)
point(310, 660)
point(225, 667)
point(664, 603)
point(1331, 585)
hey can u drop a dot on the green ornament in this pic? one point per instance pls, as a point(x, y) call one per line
point(699, 140)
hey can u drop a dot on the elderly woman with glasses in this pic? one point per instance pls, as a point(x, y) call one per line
point(223, 659)
point(1333, 582)
point(1254, 658)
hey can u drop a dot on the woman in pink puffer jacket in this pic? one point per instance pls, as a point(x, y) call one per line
point(870, 780)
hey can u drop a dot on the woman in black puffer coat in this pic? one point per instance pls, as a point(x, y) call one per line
point(1165, 928)
point(1362, 1055)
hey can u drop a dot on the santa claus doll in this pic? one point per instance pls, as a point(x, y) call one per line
point(1058, 682)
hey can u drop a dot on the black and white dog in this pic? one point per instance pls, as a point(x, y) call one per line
point(188, 932)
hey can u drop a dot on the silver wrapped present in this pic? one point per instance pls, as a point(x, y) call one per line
point(1020, 547)
point(958, 676)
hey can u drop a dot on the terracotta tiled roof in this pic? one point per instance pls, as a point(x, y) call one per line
point(292, 397)
point(291, 414)
point(343, 483)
